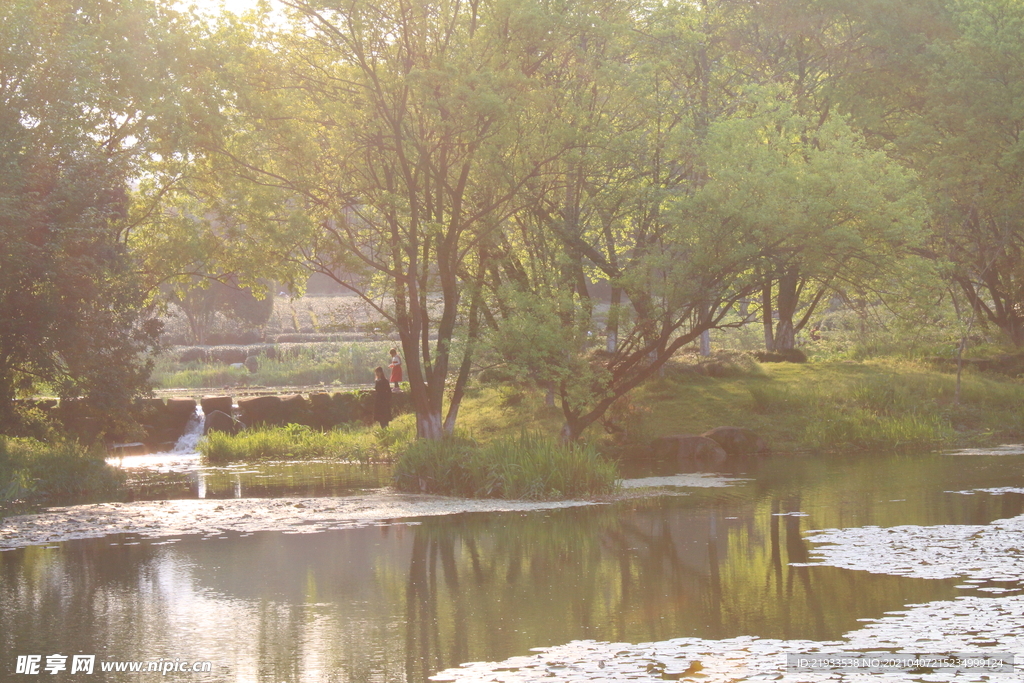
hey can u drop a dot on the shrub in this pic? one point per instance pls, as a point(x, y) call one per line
point(529, 466)
point(60, 467)
point(785, 356)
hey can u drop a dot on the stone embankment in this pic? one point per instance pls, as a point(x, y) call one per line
point(165, 419)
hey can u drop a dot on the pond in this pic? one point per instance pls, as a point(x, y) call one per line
point(277, 572)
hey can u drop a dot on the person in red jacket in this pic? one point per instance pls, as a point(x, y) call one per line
point(396, 368)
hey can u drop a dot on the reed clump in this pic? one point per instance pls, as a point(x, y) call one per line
point(299, 442)
point(527, 466)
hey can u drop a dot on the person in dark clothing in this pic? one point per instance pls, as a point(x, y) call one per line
point(381, 397)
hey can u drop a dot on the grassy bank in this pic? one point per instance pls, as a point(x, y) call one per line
point(31, 468)
point(828, 405)
point(872, 404)
point(879, 404)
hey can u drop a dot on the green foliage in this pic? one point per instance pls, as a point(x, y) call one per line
point(964, 138)
point(307, 364)
point(877, 410)
point(203, 299)
point(467, 166)
point(529, 466)
point(538, 340)
point(60, 467)
point(298, 442)
point(83, 100)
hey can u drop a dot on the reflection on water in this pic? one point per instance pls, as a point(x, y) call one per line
point(183, 475)
point(400, 602)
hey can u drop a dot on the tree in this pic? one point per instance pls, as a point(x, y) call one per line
point(842, 216)
point(204, 299)
point(849, 211)
point(76, 117)
point(631, 206)
point(395, 136)
point(710, 184)
point(967, 143)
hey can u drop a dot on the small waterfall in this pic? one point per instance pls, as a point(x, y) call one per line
point(193, 432)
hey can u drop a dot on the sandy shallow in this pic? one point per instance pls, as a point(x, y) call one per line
point(155, 519)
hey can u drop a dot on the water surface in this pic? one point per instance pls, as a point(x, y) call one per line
point(401, 600)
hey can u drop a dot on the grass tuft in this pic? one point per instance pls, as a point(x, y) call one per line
point(530, 466)
point(299, 442)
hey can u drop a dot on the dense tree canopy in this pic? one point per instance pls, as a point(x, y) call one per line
point(968, 144)
point(461, 167)
point(80, 108)
point(478, 172)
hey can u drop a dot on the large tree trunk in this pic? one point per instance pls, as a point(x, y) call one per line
point(998, 307)
point(1015, 330)
point(612, 329)
point(791, 289)
point(429, 426)
point(788, 299)
point(467, 358)
point(766, 317)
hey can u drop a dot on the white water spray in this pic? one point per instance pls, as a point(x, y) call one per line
point(193, 432)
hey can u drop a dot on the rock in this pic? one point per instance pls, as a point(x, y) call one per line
point(164, 421)
point(323, 412)
point(320, 400)
point(259, 410)
point(349, 407)
point(181, 406)
point(737, 441)
point(218, 421)
point(252, 364)
point(689, 450)
point(295, 409)
point(224, 404)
